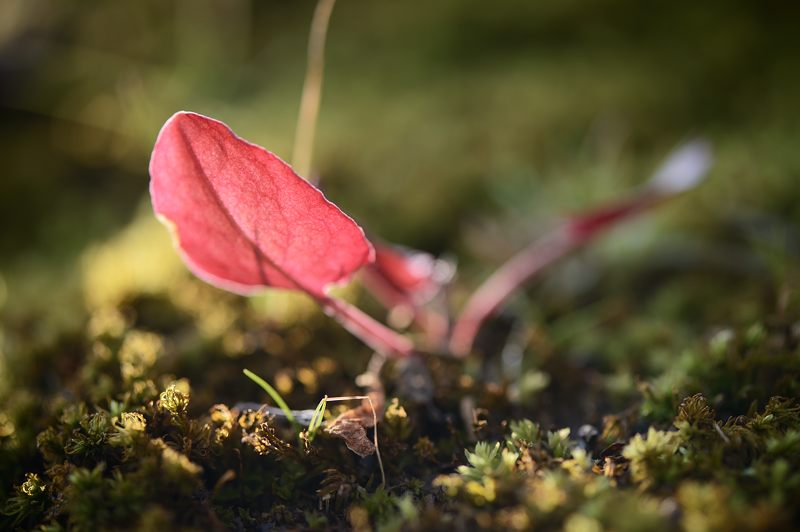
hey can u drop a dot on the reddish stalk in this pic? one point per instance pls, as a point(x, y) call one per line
point(373, 333)
point(682, 170)
point(410, 284)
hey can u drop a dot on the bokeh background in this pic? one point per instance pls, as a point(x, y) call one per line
point(461, 127)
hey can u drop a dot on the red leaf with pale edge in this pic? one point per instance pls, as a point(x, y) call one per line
point(407, 270)
point(404, 276)
point(242, 218)
point(410, 284)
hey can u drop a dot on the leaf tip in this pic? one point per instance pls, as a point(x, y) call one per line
point(684, 168)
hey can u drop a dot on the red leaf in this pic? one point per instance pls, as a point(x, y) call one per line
point(404, 276)
point(409, 271)
point(411, 285)
point(243, 219)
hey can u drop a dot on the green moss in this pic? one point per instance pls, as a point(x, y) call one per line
point(143, 455)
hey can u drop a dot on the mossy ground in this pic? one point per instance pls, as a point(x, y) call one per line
point(651, 381)
point(130, 422)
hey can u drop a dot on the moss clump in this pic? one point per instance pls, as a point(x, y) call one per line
point(656, 480)
point(129, 448)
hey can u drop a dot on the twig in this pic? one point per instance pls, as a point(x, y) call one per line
point(312, 89)
point(721, 434)
point(303, 417)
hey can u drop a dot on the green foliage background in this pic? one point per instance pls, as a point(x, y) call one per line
point(459, 127)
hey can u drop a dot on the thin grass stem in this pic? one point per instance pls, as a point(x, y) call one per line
point(274, 394)
point(312, 89)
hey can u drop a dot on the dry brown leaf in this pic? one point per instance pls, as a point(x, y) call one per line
point(353, 433)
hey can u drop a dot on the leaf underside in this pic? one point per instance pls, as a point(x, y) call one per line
point(242, 218)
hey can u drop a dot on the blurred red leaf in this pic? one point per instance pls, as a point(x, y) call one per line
point(405, 276)
point(408, 271)
point(242, 218)
point(410, 284)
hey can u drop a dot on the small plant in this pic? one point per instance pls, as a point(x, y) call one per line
point(243, 220)
point(349, 426)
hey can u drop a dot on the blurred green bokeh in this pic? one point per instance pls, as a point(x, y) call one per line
point(443, 125)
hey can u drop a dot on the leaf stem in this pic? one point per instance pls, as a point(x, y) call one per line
point(312, 89)
point(373, 333)
point(682, 170)
point(566, 237)
point(490, 295)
